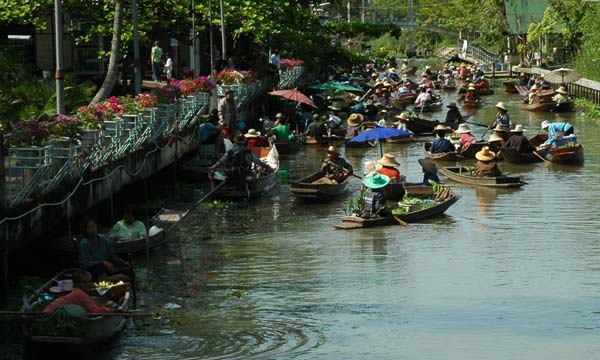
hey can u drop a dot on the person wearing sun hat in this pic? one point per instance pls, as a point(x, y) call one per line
point(518, 141)
point(375, 198)
point(502, 132)
point(471, 96)
point(429, 172)
point(485, 166)
point(354, 121)
point(502, 117)
point(336, 167)
point(561, 96)
point(255, 139)
point(465, 135)
point(403, 119)
point(495, 142)
point(441, 145)
point(453, 116)
point(556, 131)
point(389, 167)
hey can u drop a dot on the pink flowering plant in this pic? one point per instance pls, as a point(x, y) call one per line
point(90, 116)
point(111, 108)
point(191, 86)
point(28, 133)
point(249, 75)
point(168, 93)
point(230, 77)
point(70, 126)
point(290, 63)
point(144, 101)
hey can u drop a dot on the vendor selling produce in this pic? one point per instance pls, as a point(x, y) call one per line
point(486, 167)
point(336, 167)
point(375, 198)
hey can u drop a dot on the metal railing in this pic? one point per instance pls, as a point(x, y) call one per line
point(479, 54)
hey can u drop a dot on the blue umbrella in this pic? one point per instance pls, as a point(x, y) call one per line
point(378, 133)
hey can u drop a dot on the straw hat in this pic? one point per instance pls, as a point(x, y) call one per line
point(518, 129)
point(452, 105)
point(392, 69)
point(501, 128)
point(388, 160)
point(440, 127)
point(403, 117)
point(428, 166)
point(545, 124)
point(252, 133)
point(374, 75)
point(561, 90)
point(485, 154)
point(355, 119)
point(376, 181)
point(384, 111)
point(424, 75)
point(471, 87)
point(500, 105)
point(387, 84)
point(278, 116)
point(494, 137)
point(463, 129)
point(332, 149)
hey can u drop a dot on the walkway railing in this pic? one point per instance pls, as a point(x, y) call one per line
point(584, 88)
point(479, 54)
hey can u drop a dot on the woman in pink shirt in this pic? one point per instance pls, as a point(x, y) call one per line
point(465, 135)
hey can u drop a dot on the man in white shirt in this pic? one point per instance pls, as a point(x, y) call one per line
point(169, 68)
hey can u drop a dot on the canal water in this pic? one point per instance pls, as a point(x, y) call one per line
point(506, 274)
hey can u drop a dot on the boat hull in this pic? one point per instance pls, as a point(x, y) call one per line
point(454, 173)
point(305, 188)
point(450, 156)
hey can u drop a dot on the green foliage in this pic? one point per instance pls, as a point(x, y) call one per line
point(588, 59)
point(354, 29)
point(357, 207)
point(590, 110)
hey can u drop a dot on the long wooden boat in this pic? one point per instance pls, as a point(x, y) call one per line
point(471, 104)
point(449, 156)
point(565, 155)
point(241, 188)
point(514, 157)
point(396, 191)
point(96, 330)
point(548, 107)
point(429, 107)
point(287, 147)
point(166, 220)
point(472, 149)
point(310, 187)
point(455, 174)
point(421, 126)
point(399, 139)
point(355, 222)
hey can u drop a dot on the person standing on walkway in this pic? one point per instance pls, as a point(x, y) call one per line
point(156, 57)
point(169, 68)
point(228, 113)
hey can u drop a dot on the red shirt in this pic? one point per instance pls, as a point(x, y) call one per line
point(392, 173)
point(258, 142)
point(78, 297)
point(466, 139)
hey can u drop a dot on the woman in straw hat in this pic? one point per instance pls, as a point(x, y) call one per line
point(441, 145)
point(354, 122)
point(429, 172)
point(518, 141)
point(255, 139)
point(485, 166)
point(335, 167)
point(389, 163)
point(561, 96)
point(471, 96)
point(403, 118)
point(502, 117)
point(465, 135)
point(375, 198)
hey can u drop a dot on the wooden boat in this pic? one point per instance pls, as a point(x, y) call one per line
point(472, 149)
point(522, 90)
point(399, 139)
point(429, 107)
point(96, 330)
point(478, 91)
point(566, 155)
point(471, 104)
point(450, 156)
point(165, 219)
point(354, 144)
point(260, 152)
point(418, 190)
point(396, 191)
point(310, 188)
point(509, 87)
point(514, 157)
point(287, 147)
point(455, 174)
point(548, 107)
point(354, 222)
point(420, 126)
point(448, 87)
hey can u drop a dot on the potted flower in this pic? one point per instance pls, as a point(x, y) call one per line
point(168, 93)
point(28, 142)
point(230, 77)
point(65, 131)
point(90, 118)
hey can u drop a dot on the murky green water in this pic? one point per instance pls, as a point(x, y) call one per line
point(507, 274)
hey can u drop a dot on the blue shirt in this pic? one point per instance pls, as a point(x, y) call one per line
point(502, 119)
point(441, 145)
point(205, 131)
point(555, 128)
point(91, 255)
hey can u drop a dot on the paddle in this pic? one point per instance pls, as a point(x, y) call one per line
point(478, 124)
point(403, 223)
point(541, 157)
point(341, 168)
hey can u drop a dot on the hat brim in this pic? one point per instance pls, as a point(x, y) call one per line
point(252, 135)
point(463, 131)
point(428, 165)
point(386, 163)
point(452, 106)
point(501, 107)
point(368, 183)
point(482, 157)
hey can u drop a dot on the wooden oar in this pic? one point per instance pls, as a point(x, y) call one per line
point(478, 124)
point(111, 314)
point(339, 167)
point(541, 157)
point(401, 222)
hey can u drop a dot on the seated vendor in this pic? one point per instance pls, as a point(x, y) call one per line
point(128, 228)
point(389, 167)
point(441, 145)
point(80, 297)
point(336, 167)
point(282, 131)
point(375, 197)
point(485, 166)
point(429, 172)
point(240, 162)
point(255, 139)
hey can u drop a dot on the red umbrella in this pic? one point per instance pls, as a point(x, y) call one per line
point(294, 95)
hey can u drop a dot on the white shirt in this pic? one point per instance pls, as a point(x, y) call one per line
point(169, 64)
